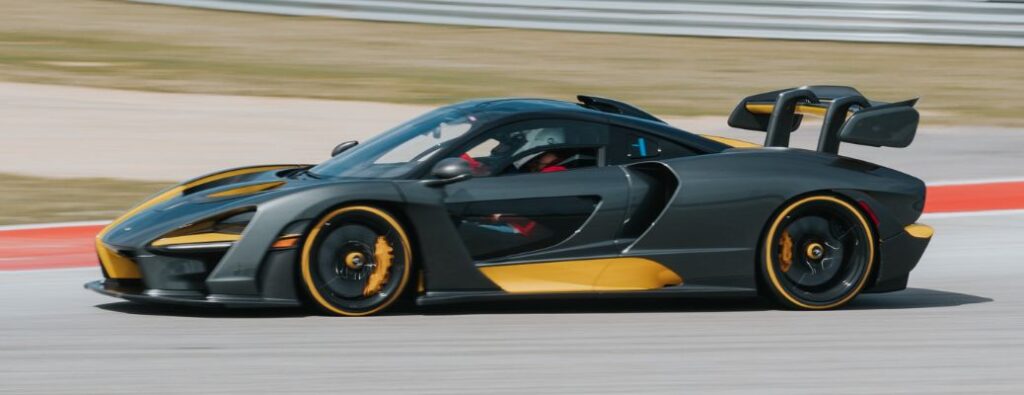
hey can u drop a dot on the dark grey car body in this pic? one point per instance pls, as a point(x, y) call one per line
point(701, 214)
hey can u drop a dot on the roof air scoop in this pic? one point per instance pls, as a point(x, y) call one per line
point(615, 107)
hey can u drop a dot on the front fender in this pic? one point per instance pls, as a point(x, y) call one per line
point(238, 271)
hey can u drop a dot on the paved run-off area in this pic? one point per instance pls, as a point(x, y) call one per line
point(956, 330)
point(59, 131)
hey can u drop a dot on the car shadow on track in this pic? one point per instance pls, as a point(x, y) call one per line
point(912, 298)
point(202, 312)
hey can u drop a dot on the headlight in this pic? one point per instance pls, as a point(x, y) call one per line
point(220, 233)
point(217, 233)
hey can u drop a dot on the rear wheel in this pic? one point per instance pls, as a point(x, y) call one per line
point(818, 253)
point(356, 261)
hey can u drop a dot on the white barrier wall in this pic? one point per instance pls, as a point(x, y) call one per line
point(965, 22)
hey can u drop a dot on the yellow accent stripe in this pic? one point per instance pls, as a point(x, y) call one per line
point(920, 231)
point(120, 267)
point(196, 239)
point(608, 274)
point(247, 190)
point(768, 259)
point(806, 109)
point(116, 264)
point(307, 276)
point(735, 143)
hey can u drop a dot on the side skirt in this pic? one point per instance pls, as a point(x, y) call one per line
point(443, 297)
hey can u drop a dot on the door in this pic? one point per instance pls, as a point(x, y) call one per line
point(540, 191)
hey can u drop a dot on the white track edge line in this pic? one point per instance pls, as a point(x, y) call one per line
point(974, 182)
point(962, 214)
point(82, 268)
point(52, 225)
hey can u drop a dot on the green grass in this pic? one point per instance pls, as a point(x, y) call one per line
point(36, 199)
point(147, 47)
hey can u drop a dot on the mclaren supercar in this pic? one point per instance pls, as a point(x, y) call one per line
point(526, 198)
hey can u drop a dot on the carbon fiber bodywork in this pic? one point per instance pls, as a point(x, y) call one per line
point(701, 215)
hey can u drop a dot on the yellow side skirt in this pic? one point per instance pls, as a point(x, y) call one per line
point(607, 274)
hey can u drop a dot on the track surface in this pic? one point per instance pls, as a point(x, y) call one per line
point(957, 330)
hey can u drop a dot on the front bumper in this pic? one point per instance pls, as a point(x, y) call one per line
point(185, 278)
point(135, 291)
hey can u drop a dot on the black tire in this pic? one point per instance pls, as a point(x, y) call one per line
point(817, 253)
point(356, 261)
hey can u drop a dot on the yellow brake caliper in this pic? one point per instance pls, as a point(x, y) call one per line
point(786, 255)
point(382, 253)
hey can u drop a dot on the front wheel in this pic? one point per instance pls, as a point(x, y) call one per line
point(356, 261)
point(817, 254)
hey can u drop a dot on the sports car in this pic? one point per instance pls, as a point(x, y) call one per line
point(534, 198)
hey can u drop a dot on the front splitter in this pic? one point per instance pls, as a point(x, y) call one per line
point(136, 293)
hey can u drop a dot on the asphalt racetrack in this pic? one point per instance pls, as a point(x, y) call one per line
point(958, 329)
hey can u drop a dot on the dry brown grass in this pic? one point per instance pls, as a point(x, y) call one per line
point(35, 199)
point(126, 45)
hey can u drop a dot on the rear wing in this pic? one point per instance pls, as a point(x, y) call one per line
point(849, 117)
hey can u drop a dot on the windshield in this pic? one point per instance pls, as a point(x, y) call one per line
point(397, 151)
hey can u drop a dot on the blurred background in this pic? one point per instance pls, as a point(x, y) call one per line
point(120, 98)
point(104, 102)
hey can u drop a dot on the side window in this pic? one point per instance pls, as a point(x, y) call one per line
point(641, 147)
point(630, 146)
point(537, 146)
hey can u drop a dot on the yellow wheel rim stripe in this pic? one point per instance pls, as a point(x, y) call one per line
point(307, 276)
point(768, 252)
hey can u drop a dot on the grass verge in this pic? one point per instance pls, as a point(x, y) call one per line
point(38, 200)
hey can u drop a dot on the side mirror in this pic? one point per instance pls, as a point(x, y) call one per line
point(343, 147)
point(449, 170)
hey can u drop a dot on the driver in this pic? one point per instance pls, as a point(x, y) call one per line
point(511, 145)
point(546, 162)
